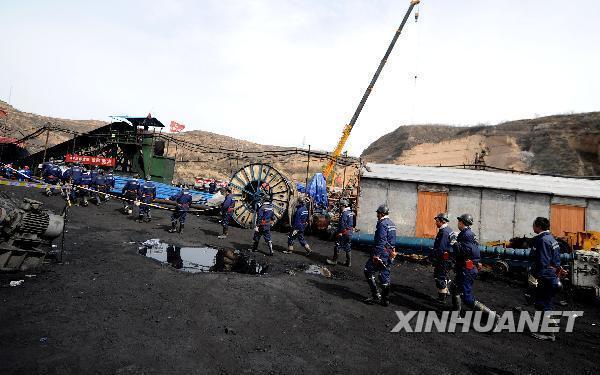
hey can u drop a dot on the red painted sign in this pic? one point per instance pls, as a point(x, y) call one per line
point(93, 160)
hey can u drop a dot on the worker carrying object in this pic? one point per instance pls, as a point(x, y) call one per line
point(466, 257)
point(146, 194)
point(227, 211)
point(130, 193)
point(184, 201)
point(299, 223)
point(382, 257)
point(264, 218)
point(51, 175)
point(343, 238)
point(441, 255)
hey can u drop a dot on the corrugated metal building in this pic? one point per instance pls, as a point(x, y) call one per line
point(504, 205)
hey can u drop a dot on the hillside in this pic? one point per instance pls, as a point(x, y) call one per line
point(189, 164)
point(561, 144)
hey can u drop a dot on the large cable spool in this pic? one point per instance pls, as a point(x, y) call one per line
point(254, 181)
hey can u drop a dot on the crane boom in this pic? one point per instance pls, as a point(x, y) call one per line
point(348, 128)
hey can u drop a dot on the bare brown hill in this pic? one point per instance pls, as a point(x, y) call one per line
point(560, 144)
point(218, 163)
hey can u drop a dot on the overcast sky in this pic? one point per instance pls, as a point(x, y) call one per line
point(286, 72)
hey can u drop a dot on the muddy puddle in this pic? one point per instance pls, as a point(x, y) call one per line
point(202, 259)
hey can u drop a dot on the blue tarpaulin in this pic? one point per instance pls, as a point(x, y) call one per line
point(317, 190)
point(163, 191)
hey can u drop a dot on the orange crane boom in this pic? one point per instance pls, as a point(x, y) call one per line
point(348, 128)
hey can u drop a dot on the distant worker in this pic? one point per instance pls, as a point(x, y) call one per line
point(146, 194)
point(299, 223)
point(227, 211)
point(263, 224)
point(441, 255)
point(382, 257)
point(545, 271)
point(100, 187)
point(184, 201)
point(344, 233)
point(25, 174)
point(51, 175)
point(85, 186)
point(110, 182)
point(130, 193)
point(212, 187)
point(466, 256)
point(8, 171)
point(72, 177)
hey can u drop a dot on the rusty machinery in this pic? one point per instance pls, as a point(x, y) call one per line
point(26, 232)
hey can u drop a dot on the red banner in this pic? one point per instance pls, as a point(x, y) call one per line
point(176, 127)
point(93, 160)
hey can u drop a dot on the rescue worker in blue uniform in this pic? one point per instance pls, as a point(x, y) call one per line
point(99, 186)
point(72, 177)
point(264, 217)
point(344, 234)
point(146, 194)
point(382, 257)
point(85, 184)
point(184, 201)
point(299, 223)
point(212, 187)
point(545, 270)
point(110, 180)
point(227, 212)
point(466, 257)
point(441, 255)
point(51, 175)
point(130, 193)
point(25, 174)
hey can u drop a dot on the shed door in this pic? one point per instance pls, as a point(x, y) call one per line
point(565, 218)
point(428, 206)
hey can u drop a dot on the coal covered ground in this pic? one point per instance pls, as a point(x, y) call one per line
point(108, 310)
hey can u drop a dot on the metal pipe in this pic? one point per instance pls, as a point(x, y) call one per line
point(410, 245)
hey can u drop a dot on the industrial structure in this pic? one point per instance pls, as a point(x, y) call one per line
point(504, 205)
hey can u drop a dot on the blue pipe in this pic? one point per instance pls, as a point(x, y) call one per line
point(410, 245)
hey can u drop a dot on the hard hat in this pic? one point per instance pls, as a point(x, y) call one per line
point(442, 216)
point(148, 177)
point(383, 209)
point(466, 219)
point(344, 202)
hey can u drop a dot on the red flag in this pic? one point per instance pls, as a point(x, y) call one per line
point(3, 113)
point(176, 127)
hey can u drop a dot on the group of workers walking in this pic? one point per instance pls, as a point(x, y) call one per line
point(452, 251)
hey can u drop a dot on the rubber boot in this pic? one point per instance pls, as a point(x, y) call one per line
point(348, 259)
point(289, 250)
point(456, 302)
point(375, 296)
point(442, 295)
point(385, 295)
point(334, 259)
point(270, 243)
point(307, 249)
point(140, 218)
point(254, 246)
point(224, 235)
point(181, 225)
point(173, 227)
point(478, 306)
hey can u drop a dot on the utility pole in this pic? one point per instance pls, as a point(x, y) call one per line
point(307, 168)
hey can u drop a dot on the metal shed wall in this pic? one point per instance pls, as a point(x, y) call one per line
point(499, 214)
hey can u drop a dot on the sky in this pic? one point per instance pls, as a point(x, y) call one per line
point(291, 72)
